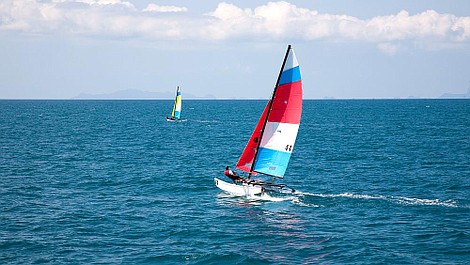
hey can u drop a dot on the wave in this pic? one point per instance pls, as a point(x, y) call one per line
point(299, 202)
point(301, 199)
point(206, 121)
point(435, 202)
point(392, 199)
point(257, 199)
point(267, 197)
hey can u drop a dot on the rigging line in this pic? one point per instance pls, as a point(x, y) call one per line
point(268, 184)
point(268, 174)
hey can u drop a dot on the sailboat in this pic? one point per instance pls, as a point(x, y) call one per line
point(270, 146)
point(176, 112)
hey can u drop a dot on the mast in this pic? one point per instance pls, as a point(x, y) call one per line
point(269, 110)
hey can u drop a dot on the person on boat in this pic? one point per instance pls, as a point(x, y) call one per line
point(233, 175)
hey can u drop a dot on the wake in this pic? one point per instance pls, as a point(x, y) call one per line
point(267, 197)
point(253, 200)
point(306, 199)
point(205, 121)
point(391, 199)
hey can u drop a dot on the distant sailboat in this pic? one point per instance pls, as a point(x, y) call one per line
point(176, 112)
point(270, 147)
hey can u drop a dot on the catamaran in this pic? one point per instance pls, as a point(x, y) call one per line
point(270, 147)
point(176, 112)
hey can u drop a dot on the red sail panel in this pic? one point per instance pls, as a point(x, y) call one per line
point(287, 104)
point(246, 158)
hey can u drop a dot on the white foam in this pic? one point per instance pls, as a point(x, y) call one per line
point(303, 204)
point(266, 197)
point(394, 199)
point(345, 195)
point(205, 121)
point(295, 198)
point(417, 201)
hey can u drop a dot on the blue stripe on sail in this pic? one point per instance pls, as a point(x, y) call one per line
point(177, 114)
point(272, 162)
point(289, 76)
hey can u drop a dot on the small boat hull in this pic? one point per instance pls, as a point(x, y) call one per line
point(171, 119)
point(175, 120)
point(238, 189)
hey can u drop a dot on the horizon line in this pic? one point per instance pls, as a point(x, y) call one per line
point(238, 99)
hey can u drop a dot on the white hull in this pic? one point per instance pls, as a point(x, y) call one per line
point(241, 189)
point(174, 120)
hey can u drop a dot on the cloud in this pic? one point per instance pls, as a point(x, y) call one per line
point(157, 8)
point(93, 2)
point(425, 25)
point(280, 20)
point(274, 21)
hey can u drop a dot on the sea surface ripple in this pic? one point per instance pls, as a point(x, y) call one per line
point(103, 182)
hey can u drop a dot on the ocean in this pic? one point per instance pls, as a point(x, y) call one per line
point(106, 182)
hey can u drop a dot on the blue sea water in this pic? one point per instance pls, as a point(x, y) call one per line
point(104, 182)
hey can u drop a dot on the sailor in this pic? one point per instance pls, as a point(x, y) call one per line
point(233, 175)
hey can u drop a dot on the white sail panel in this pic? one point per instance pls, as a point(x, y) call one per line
point(279, 136)
point(291, 61)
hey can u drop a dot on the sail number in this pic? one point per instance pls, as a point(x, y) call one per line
point(288, 148)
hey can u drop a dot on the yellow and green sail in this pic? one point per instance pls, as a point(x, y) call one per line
point(176, 113)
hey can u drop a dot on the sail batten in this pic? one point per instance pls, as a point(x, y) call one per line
point(278, 125)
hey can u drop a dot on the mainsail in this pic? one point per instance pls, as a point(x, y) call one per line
point(246, 159)
point(270, 147)
point(176, 113)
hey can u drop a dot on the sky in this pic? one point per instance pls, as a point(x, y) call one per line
point(59, 49)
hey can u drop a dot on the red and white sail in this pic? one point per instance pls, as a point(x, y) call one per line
point(278, 126)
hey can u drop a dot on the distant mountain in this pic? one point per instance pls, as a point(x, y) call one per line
point(450, 95)
point(138, 94)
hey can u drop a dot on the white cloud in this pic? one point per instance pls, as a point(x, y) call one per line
point(426, 25)
point(125, 4)
point(157, 8)
point(274, 21)
point(280, 20)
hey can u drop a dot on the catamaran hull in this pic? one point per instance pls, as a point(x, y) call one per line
point(174, 120)
point(240, 190)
